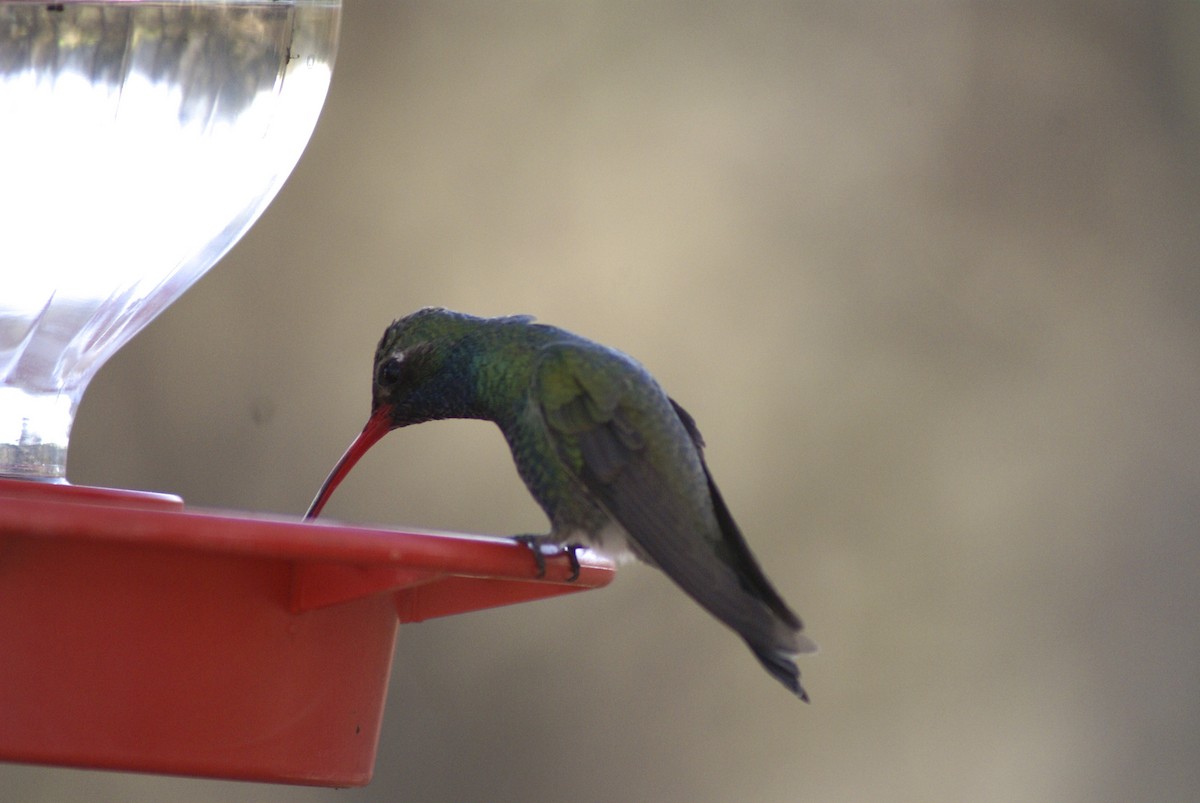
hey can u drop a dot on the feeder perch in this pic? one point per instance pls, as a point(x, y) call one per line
point(140, 635)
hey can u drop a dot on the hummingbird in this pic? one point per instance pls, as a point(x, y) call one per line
point(615, 463)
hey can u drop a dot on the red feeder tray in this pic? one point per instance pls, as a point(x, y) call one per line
point(138, 635)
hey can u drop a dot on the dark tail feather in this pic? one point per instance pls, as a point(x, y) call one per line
point(782, 668)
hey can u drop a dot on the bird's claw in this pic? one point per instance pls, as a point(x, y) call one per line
point(534, 544)
point(572, 551)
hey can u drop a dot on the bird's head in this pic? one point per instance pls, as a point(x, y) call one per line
point(422, 372)
point(421, 368)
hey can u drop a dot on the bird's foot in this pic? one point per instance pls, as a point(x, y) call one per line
point(572, 551)
point(534, 544)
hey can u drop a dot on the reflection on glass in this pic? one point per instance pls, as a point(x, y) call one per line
point(138, 142)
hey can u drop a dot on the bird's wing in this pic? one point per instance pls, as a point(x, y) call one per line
point(613, 428)
point(738, 551)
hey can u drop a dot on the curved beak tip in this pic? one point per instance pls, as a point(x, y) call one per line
point(378, 425)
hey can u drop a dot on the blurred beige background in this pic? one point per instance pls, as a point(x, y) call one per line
point(927, 278)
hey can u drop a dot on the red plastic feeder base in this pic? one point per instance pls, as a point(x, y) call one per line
point(137, 635)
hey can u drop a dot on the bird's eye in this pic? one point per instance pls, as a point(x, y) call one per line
point(390, 372)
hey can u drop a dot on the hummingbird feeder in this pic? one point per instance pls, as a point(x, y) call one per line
point(135, 633)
